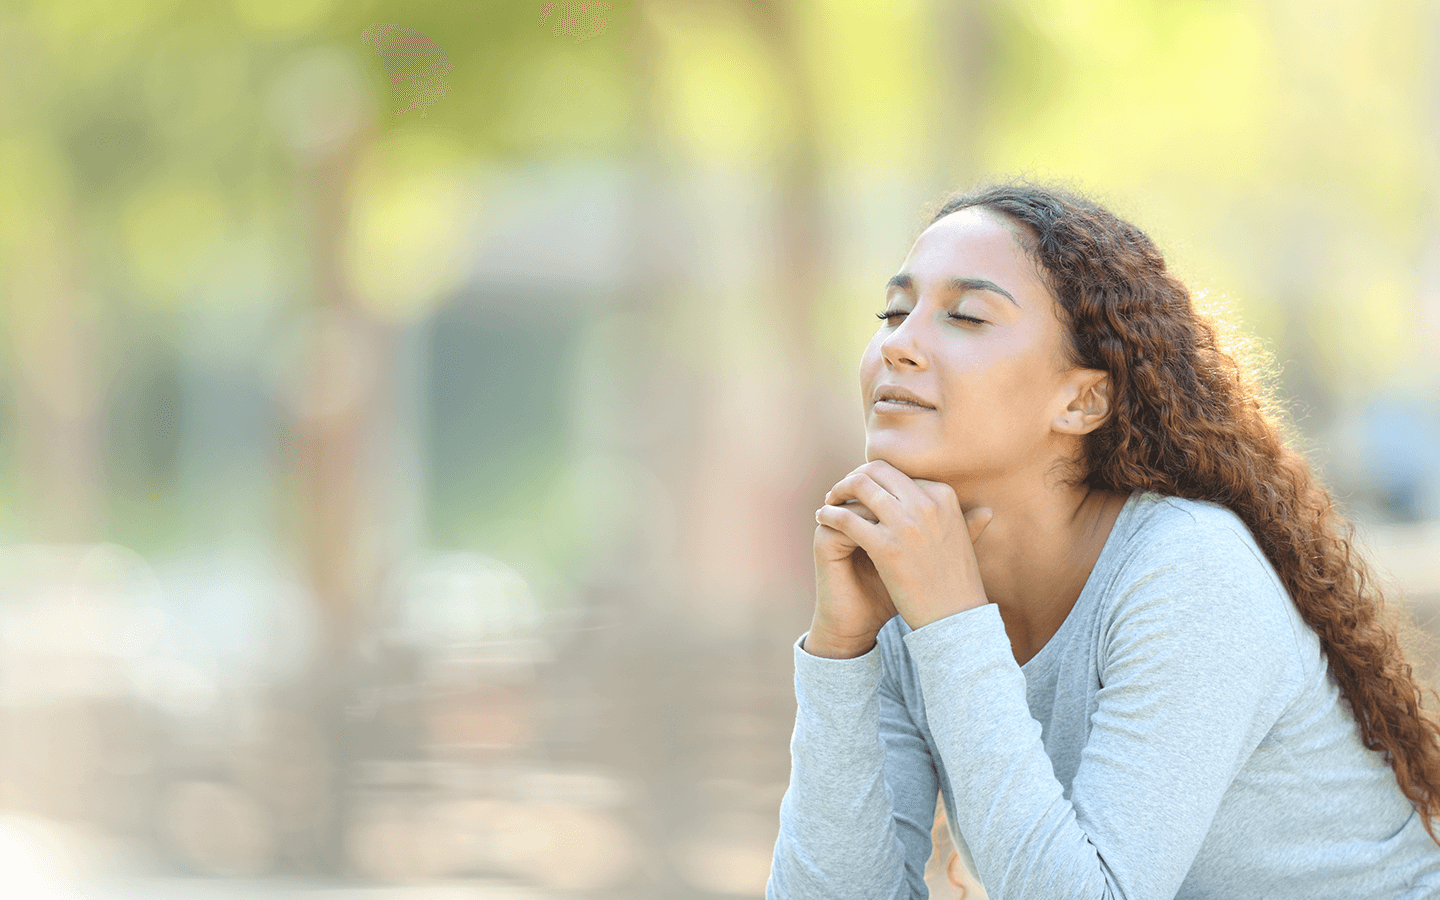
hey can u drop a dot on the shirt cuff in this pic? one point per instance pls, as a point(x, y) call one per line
point(971, 635)
point(841, 679)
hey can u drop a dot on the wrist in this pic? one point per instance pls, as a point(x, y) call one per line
point(826, 647)
point(918, 617)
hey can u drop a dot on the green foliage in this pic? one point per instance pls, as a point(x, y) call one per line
point(1283, 153)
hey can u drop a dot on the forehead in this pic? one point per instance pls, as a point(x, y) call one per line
point(975, 243)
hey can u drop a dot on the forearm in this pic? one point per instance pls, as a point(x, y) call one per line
point(1021, 830)
point(838, 836)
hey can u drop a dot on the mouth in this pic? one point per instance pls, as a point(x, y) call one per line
point(895, 397)
point(898, 402)
point(895, 408)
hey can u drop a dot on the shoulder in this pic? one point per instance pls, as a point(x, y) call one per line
point(1193, 567)
point(1197, 537)
point(1158, 518)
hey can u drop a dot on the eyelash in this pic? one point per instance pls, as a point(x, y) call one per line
point(900, 312)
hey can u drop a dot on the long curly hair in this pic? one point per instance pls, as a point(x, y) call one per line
point(1190, 420)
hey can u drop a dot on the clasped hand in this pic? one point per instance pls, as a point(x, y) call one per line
point(919, 541)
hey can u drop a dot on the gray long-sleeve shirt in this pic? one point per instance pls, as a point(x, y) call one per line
point(1178, 736)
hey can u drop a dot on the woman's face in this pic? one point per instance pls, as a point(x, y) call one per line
point(994, 380)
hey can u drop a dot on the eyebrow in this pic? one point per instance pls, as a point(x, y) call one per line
point(904, 282)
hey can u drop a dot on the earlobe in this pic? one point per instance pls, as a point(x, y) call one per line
point(1081, 422)
point(1070, 421)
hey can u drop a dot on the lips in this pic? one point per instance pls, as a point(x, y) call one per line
point(898, 394)
point(905, 403)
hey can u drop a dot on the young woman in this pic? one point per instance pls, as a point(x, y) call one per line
point(1084, 589)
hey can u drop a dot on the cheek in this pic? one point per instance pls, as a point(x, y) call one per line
point(870, 360)
point(997, 394)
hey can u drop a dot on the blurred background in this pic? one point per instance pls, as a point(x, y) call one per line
point(413, 413)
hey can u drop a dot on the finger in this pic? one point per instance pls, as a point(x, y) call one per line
point(860, 510)
point(977, 520)
point(866, 534)
point(827, 533)
point(896, 482)
point(939, 491)
point(860, 486)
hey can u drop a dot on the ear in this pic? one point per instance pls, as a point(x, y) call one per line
point(1089, 404)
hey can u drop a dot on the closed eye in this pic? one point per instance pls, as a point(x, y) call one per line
point(900, 312)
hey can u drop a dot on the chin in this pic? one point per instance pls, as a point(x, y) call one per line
point(911, 462)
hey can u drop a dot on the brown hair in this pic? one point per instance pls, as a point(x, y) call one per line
point(1189, 420)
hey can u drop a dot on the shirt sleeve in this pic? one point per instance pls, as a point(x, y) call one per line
point(855, 821)
point(1192, 667)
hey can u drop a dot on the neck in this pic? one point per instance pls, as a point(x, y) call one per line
point(1037, 553)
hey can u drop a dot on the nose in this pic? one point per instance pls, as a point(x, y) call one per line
point(904, 347)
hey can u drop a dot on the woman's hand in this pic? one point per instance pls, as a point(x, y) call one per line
point(920, 542)
point(851, 601)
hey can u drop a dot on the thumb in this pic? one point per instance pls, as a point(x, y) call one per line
point(977, 520)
